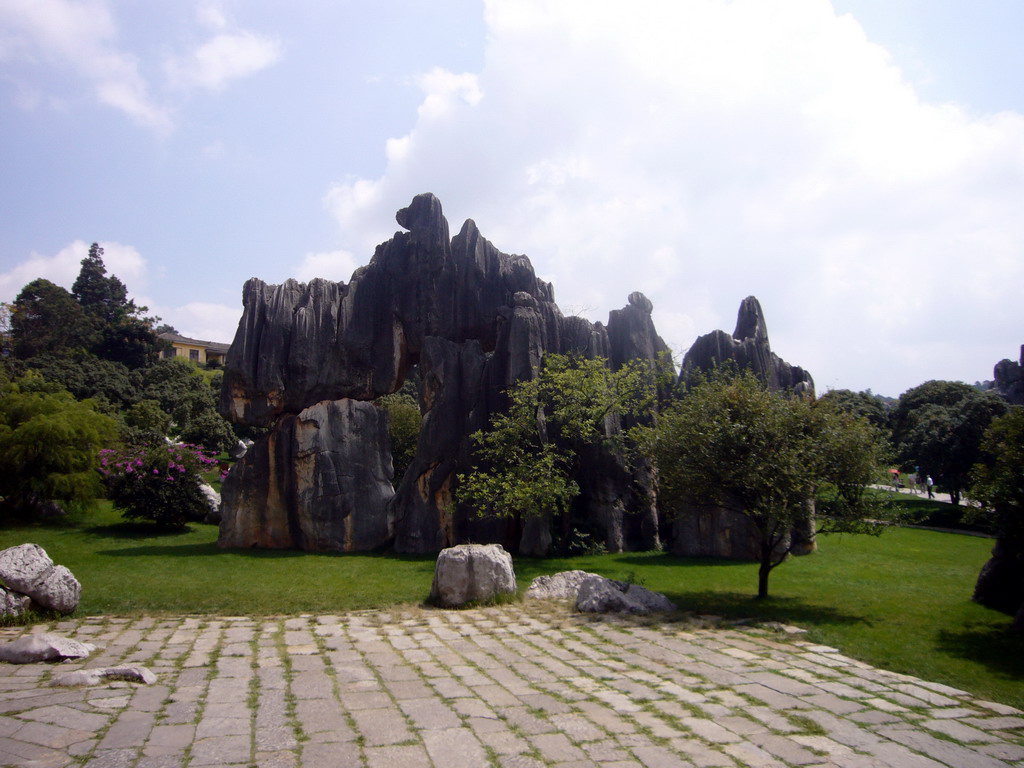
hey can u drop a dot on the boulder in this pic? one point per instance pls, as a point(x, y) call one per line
point(472, 573)
point(558, 586)
point(96, 676)
point(13, 603)
point(29, 570)
point(1000, 583)
point(600, 595)
point(212, 504)
point(29, 649)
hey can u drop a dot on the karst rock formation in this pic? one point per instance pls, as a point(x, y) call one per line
point(1009, 381)
point(308, 359)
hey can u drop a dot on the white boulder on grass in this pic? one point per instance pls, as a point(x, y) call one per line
point(472, 573)
point(596, 594)
point(29, 570)
point(558, 586)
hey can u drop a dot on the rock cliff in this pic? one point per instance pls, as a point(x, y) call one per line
point(307, 357)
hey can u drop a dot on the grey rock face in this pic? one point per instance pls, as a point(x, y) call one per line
point(472, 572)
point(321, 481)
point(1009, 379)
point(29, 570)
point(475, 321)
point(86, 677)
point(749, 348)
point(600, 595)
point(13, 603)
point(29, 649)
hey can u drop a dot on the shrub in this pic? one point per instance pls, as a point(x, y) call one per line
point(158, 482)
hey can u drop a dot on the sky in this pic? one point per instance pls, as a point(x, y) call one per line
point(858, 165)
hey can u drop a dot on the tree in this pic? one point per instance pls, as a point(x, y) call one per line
point(529, 456)
point(47, 318)
point(864, 404)
point(158, 481)
point(939, 426)
point(731, 442)
point(403, 428)
point(49, 446)
point(183, 392)
point(998, 484)
point(123, 333)
point(998, 478)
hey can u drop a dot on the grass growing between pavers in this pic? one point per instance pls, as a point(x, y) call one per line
point(900, 601)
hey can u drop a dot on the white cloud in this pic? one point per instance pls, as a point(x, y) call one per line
point(223, 58)
point(331, 265)
point(203, 320)
point(705, 151)
point(80, 36)
point(63, 267)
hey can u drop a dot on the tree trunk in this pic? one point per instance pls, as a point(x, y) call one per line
point(762, 577)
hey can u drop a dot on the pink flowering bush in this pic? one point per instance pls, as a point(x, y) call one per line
point(158, 481)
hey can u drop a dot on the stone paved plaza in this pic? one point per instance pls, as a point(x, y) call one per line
point(518, 685)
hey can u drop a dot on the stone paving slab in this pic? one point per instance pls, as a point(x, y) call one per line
point(527, 685)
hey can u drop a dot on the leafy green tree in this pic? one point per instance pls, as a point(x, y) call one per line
point(863, 404)
point(528, 458)
point(185, 395)
point(998, 478)
point(939, 426)
point(49, 447)
point(730, 442)
point(47, 319)
point(403, 428)
point(86, 376)
point(124, 334)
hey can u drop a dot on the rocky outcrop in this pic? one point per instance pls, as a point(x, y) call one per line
point(320, 481)
point(597, 594)
point(749, 349)
point(475, 321)
point(1009, 379)
point(98, 675)
point(28, 570)
point(472, 573)
point(30, 649)
point(1000, 583)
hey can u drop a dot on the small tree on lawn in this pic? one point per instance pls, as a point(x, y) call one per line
point(158, 481)
point(531, 453)
point(730, 441)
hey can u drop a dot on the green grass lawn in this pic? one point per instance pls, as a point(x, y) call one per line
point(900, 601)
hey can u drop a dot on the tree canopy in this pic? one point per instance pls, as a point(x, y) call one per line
point(730, 442)
point(938, 426)
point(528, 457)
point(998, 477)
point(49, 446)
